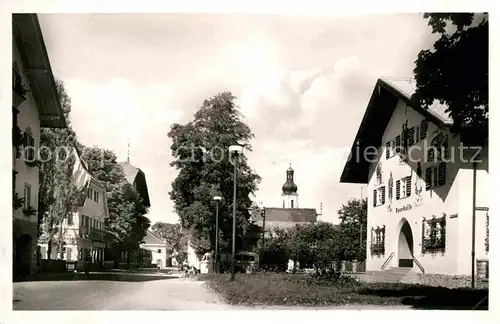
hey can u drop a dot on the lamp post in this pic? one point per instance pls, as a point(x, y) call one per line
point(217, 199)
point(236, 150)
point(263, 215)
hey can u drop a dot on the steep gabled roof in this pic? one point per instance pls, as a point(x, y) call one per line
point(88, 176)
point(137, 178)
point(293, 215)
point(152, 239)
point(27, 35)
point(381, 107)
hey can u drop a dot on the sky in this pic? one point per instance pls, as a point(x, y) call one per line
point(302, 84)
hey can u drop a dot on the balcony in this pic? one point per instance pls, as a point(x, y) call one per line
point(93, 234)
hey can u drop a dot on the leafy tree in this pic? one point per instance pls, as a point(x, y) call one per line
point(315, 244)
point(455, 72)
point(275, 253)
point(58, 196)
point(353, 222)
point(127, 224)
point(171, 233)
point(200, 150)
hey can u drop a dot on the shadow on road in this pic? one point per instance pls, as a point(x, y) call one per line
point(426, 297)
point(71, 276)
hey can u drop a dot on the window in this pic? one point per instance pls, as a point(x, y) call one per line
point(69, 253)
point(417, 134)
point(388, 150)
point(29, 146)
point(27, 195)
point(435, 176)
point(423, 129)
point(434, 234)
point(97, 197)
point(403, 188)
point(291, 203)
point(379, 196)
point(90, 193)
point(159, 250)
point(70, 219)
point(397, 144)
point(411, 136)
point(377, 246)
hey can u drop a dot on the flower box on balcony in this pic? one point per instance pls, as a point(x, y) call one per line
point(17, 202)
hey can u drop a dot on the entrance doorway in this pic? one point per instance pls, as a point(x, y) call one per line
point(405, 246)
point(22, 263)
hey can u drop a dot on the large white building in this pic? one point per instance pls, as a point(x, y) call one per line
point(35, 104)
point(84, 229)
point(421, 185)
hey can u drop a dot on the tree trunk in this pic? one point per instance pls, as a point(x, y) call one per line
point(61, 238)
point(49, 249)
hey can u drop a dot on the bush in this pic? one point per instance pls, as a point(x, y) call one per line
point(332, 288)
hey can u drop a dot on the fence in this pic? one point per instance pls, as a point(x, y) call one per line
point(348, 266)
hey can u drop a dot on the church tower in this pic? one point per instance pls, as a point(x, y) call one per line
point(290, 195)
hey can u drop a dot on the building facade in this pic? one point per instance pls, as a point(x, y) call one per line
point(160, 251)
point(35, 104)
point(288, 216)
point(421, 184)
point(84, 231)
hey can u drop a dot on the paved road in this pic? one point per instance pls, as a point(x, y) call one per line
point(115, 292)
point(131, 291)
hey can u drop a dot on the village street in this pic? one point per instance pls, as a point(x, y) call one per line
point(123, 291)
point(128, 291)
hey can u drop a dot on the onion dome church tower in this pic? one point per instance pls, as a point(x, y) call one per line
point(290, 195)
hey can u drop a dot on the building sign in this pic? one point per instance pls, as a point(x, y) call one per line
point(404, 208)
point(453, 216)
point(482, 208)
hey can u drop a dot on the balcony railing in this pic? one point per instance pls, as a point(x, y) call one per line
point(93, 234)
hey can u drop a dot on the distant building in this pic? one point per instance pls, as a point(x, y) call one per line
point(420, 185)
point(137, 178)
point(35, 105)
point(288, 216)
point(161, 252)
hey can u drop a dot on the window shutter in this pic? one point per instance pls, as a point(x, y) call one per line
point(398, 143)
point(374, 197)
point(387, 150)
point(408, 186)
point(442, 174)
point(428, 178)
point(423, 129)
point(398, 189)
point(383, 195)
point(411, 133)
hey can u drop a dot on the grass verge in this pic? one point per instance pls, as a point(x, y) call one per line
point(273, 289)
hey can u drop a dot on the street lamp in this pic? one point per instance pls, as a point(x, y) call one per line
point(217, 199)
point(263, 215)
point(236, 150)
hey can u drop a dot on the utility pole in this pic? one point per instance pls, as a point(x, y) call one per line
point(473, 248)
point(360, 222)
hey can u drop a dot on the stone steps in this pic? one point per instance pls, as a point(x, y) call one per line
point(395, 274)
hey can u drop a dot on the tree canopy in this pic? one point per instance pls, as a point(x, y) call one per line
point(455, 71)
point(127, 224)
point(58, 195)
point(200, 152)
point(353, 223)
point(171, 233)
